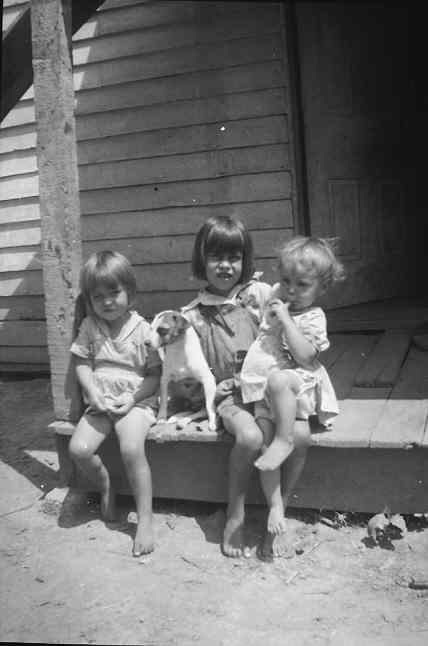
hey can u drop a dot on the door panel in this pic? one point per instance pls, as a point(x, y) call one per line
point(356, 105)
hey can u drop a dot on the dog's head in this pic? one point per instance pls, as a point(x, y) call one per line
point(166, 327)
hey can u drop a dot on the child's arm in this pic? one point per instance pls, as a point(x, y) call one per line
point(299, 345)
point(84, 375)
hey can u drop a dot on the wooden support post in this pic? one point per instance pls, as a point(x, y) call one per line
point(59, 184)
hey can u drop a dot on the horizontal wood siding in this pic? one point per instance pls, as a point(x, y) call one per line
point(181, 113)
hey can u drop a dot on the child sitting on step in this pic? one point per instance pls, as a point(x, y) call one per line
point(119, 378)
point(225, 315)
point(282, 375)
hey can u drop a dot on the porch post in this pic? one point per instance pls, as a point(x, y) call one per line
point(59, 183)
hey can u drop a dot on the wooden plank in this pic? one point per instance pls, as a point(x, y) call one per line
point(156, 170)
point(245, 105)
point(144, 16)
point(20, 308)
point(22, 113)
point(194, 85)
point(22, 234)
point(185, 139)
point(175, 249)
point(239, 188)
point(168, 141)
point(25, 368)
point(256, 215)
point(379, 315)
point(18, 138)
point(200, 57)
point(353, 480)
point(29, 283)
point(190, 85)
point(22, 333)
point(383, 364)
point(24, 355)
point(150, 278)
point(338, 344)
point(19, 211)
point(343, 371)
point(140, 251)
point(174, 36)
point(140, 172)
point(51, 26)
point(403, 422)
point(358, 416)
point(16, 259)
point(167, 63)
point(20, 186)
point(20, 161)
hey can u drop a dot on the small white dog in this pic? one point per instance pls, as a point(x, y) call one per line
point(180, 350)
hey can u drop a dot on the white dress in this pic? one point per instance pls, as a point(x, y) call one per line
point(270, 351)
point(119, 364)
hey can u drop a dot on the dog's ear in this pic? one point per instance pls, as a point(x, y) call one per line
point(181, 322)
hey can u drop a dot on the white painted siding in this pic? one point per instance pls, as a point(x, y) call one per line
point(182, 113)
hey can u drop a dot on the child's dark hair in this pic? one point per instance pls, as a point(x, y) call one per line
point(222, 234)
point(107, 268)
point(317, 255)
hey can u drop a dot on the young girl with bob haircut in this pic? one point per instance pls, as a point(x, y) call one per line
point(226, 315)
point(282, 374)
point(119, 378)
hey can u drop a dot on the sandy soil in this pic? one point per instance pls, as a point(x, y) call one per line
point(66, 577)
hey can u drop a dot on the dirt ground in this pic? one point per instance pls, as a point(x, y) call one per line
point(66, 577)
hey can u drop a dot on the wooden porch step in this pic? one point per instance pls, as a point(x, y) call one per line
point(374, 456)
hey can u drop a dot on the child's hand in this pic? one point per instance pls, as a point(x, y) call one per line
point(279, 310)
point(121, 405)
point(224, 388)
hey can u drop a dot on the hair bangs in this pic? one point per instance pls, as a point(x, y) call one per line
point(224, 240)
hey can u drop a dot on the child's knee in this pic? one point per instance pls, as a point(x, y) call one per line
point(278, 381)
point(79, 450)
point(249, 437)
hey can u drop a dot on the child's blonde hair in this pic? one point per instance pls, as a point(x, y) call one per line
point(108, 268)
point(317, 255)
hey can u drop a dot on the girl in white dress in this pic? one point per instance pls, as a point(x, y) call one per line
point(119, 378)
point(281, 372)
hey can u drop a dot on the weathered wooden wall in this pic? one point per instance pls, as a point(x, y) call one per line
point(182, 112)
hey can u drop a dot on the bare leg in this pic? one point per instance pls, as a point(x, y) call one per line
point(248, 441)
point(274, 542)
point(90, 432)
point(296, 461)
point(283, 387)
point(132, 431)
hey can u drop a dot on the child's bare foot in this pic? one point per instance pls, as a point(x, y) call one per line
point(276, 523)
point(274, 455)
point(108, 505)
point(233, 537)
point(144, 541)
point(276, 545)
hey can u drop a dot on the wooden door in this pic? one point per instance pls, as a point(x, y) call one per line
point(356, 99)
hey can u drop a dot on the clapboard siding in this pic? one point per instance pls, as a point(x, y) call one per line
point(193, 85)
point(181, 113)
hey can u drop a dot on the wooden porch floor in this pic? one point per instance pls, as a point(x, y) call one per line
point(375, 455)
